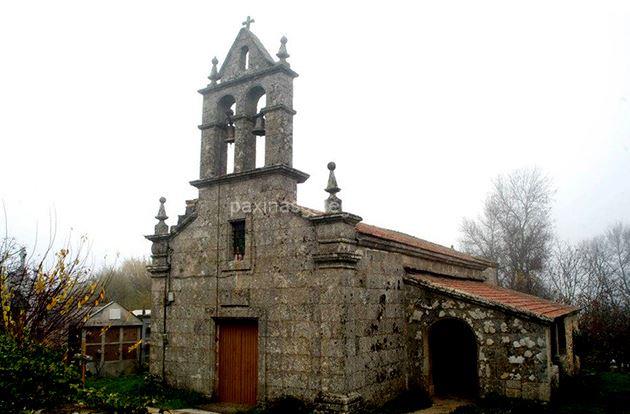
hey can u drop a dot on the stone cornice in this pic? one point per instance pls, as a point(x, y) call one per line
point(344, 260)
point(337, 240)
point(278, 107)
point(158, 271)
point(212, 125)
point(157, 237)
point(347, 218)
point(265, 110)
point(278, 67)
point(290, 172)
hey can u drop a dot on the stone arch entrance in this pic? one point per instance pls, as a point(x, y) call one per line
point(453, 358)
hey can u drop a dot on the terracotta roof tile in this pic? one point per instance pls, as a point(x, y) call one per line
point(412, 241)
point(508, 298)
point(399, 237)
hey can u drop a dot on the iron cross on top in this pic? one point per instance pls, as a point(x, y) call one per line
point(248, 22)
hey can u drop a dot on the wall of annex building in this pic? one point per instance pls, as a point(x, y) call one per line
point(514, 356)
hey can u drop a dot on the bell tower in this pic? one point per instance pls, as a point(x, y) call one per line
point(250, 96)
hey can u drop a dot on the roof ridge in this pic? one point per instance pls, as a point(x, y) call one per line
point(420, 243)
point(437, 248)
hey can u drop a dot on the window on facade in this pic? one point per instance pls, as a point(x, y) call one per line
point(114, 314)
point(112, 334)
point(94, 351)
point(128, 353)
point(93, 335)
point(238, 239)
point(112, 352)
point(130, 333)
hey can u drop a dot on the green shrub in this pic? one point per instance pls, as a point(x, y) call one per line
point(131, 394)
point(33, 376)
point(113, 402)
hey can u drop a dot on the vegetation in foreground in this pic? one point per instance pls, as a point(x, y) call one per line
point(33, 376)
point(133, 393)
point(603, 393)
point(36, 377)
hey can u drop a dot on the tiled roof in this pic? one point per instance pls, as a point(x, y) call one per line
point(412, 241)
point(507, 298)
point(399, 237)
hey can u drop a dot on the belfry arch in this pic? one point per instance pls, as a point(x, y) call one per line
point(255, 103)
point(226, 111)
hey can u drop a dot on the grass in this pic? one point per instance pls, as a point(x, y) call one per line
point(142, 387)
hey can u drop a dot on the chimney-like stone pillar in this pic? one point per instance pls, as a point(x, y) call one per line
point(244, 145)
point(213, 162)
point(279, 136)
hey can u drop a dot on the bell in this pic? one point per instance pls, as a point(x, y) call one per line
point(259, 126)
point(231, 132)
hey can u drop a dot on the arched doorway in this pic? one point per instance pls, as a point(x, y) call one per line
point(453, 353)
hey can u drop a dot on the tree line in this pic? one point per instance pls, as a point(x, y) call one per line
point(515, 230)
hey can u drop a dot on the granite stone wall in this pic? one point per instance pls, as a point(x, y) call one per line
point(379, 363)
point(273, 283)
point(333, 312)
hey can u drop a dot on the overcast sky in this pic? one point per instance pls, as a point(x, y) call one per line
point(420, 104)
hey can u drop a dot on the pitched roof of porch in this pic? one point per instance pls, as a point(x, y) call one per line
point(495, 296)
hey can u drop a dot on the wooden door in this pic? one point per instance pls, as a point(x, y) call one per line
point(238, 361)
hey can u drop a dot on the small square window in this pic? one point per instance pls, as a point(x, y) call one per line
point(238, 239)
point(114, 314)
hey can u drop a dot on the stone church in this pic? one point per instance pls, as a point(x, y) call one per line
point(256, 297)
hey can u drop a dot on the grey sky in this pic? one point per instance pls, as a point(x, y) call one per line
point(420, 104)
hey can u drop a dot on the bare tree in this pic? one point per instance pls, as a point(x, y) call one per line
point(515, 229)
point(128, 283)
point(618, 241)
point(43, 299)
point(597, 270)
point(607, 264)
point(566, 275)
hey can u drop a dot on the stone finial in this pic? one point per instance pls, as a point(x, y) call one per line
point(333, 203)
point(214, 73)
point(161, 227)
point(282, 53)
